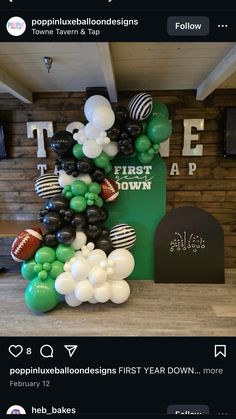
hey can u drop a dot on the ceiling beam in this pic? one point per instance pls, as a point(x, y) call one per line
point(224, 69)
point(107, 69)
point(17, 89)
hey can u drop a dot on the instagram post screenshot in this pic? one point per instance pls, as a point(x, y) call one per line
point(117, 209)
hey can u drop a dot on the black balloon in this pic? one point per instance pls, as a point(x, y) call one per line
point(103, 214)
point(114, 132)
point(79, 221)
point(124, 136)
point(52, 221)
point(126, 147)
point(69, 165)
point(58, 202)
point(98, 175)
point(121, 114)
point(85, 165)
point(134, 128)
point(104, 244)
point(93, 214)
point(93, 231)
point(50, 240)
point(62, 143)
point(66, 234)
point(105, 232)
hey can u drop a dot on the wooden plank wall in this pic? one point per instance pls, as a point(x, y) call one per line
point(213, 186)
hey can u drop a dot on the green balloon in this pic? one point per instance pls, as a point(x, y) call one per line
point(43, 275)
point(78, 204)
point(143, 143)
point(99, 202)
point(41, 296)
point(79, 188)
point(57, 268)
point(144, 124)
point(78, 151)
point(95, 188)
point(45, 254)
point(27, 270)
point(159, 129)
point(159, 109)
point(145, 157)
point(64, 252)
point(102, 160)
point(108, 169)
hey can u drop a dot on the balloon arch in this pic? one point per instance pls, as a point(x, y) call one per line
point(79, 259)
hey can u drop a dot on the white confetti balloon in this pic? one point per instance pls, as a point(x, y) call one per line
point(80, 240)
point(94, 102)
point(123, 263)
point(84, 291)
point(120, 291)
point(91, 149)
point(96, 257)
point(103, 293)
point(103, 118)
point(97, 275)
point(72, 301)
point(111, 149)
point(80, 269)
point(65, 283)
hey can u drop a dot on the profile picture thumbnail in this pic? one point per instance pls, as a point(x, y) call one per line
point(16, 410)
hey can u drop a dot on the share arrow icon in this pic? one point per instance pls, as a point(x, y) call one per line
point(71, 349)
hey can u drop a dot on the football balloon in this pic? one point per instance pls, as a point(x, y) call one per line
point(109, 190)
point(26, 244)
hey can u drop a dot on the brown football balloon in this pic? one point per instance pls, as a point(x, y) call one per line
point(109, 190)
point(26, 244)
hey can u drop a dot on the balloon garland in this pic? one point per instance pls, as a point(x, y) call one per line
point(78, 258)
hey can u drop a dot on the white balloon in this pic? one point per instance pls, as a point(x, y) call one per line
point(72, 301)
point(93, 301)
point(120, 291)
point(92, 103)
point(80, 269)
point(65, 283)
point(123, 263)
point(103, 118)
point(96, 257)
point(79, 254)
point(103, 293)
point(67, 267)
point(91, 132)
point(91, 149)
point(74, 126)
point(111, 149)
point(80, 240)
point(65, 179)
point(84, 291)
point(97, 275)
point(85, 178)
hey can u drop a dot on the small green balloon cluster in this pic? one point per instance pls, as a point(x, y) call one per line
point(103, 162)
point(156, 129)
point(82, 195)
point(48, 263)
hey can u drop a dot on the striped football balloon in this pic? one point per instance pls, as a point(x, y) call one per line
point(140, 107)
point(47, 186)
point(122, 236)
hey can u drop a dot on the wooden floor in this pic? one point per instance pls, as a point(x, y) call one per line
point(152, 310)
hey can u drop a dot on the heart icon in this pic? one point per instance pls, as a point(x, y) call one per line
point(15, 350)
